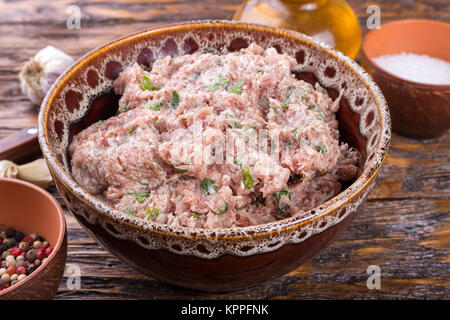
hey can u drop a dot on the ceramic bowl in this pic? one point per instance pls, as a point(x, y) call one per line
point(28, 208)
point(222, 259)
point(418, 110)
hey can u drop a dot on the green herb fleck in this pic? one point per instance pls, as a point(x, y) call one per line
point(224, 210)
point(218, 82)
point(140, 197)
point(129, 211)
point(237, 87)
point(260, 71)
point(124, 109)
point(304, 95)
point(208, 185)
point(197, 75)
point(152, 213)
point(175, 100)
point(193, 214)
point(238, 125)
point(146, 84)
point(321, 148)
point(248, 180)
point(282, 193)
point(181, 170)
point(320, 116)
point(345, 153)
point(130, 131)
point(155, 106)
point(237, 161)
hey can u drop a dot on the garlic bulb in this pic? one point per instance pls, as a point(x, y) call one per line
point(8, 169)
point(39, 73)
point(35, 172)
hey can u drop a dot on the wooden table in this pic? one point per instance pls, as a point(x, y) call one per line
point(404, 228)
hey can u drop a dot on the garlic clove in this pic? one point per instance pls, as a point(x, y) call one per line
point(8, 169)
point(40, 72)
point(35, 172)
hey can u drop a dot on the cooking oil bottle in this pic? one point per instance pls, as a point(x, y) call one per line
point(330, 21)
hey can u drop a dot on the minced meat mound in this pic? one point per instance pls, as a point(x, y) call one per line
point(167, 155)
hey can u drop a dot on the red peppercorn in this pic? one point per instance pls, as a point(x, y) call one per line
point(28, 239)
point(41, 247)
point(40, 254)
point(23, 254)
point(48, 251)
point(11, 270)
point(20, 270)
point(15, 251)
point(1, 240)
point(6, 286)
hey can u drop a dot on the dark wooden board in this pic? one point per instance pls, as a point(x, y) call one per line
point(404, 227)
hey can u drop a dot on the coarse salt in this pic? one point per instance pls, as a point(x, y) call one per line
point(415, 67)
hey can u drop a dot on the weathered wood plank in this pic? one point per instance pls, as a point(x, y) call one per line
point(404, 227)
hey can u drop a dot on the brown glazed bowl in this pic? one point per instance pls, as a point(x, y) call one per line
point(221, 259)
point(418, 110)
point(28, 208)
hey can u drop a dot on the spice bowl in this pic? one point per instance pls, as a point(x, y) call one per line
point(418, 110)
point(31, 210)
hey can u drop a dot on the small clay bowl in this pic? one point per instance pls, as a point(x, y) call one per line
point(223, 259)
point(418, 110)
point(28, 208)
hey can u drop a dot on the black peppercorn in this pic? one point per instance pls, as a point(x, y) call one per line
point(39, 238)
point(10, 233)
point(19, 236)
point(3, 247)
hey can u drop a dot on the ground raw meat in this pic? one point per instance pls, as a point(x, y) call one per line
point(173, 154)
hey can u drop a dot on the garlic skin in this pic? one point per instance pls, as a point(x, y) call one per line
point(8, 169)
point(40, 72)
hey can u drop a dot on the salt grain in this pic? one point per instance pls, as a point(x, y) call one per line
point(415, 67)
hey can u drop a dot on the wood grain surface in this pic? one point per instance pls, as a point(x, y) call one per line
point(405, 225)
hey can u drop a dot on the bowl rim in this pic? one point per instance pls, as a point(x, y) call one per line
point(370, 34)
point(360, 184)
point(61, 231)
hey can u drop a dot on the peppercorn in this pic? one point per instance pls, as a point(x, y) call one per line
point(31, 255)
point(21, 276)
point(9, 242)
point(11, 270)
point(30, 269)
point(15, 251)
point(19, 263)
point(13, 277)
point(37, 263)
point(13, 282)
point(28, 239)
point(5, 254)
point(10, 232)
point(24, 246)
point(20, 258)
point(2, 271)
point(45, 243)
point(19, 236)
point(40, 254)
point(39, 238)
point(3, 247)
point(36, 244)
point(5, 277)
point(48, 251)
point(21, 270)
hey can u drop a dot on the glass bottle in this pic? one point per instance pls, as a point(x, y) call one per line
point(330, 21)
